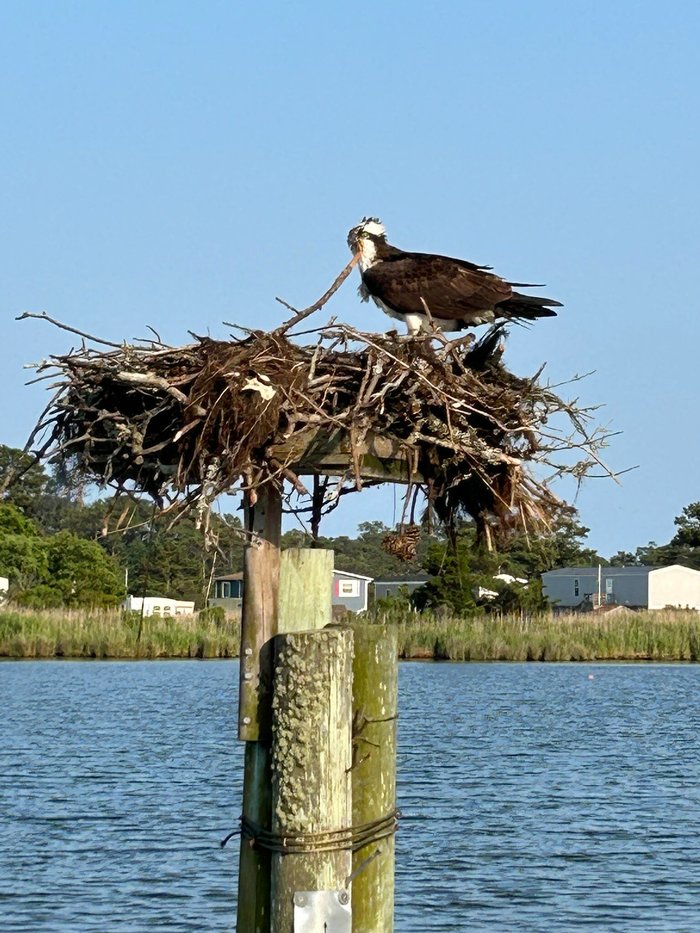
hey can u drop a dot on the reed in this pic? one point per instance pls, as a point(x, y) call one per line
point(644, 636)
point(113, 634)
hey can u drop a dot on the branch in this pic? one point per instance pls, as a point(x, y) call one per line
point(157, 382)
point(44, 317)
point(300, 315)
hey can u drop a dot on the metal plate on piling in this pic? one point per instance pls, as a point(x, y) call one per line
point(322, 912)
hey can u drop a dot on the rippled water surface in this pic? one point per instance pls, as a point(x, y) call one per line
point(535, 797)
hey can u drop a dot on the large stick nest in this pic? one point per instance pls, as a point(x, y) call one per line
point(185, 424)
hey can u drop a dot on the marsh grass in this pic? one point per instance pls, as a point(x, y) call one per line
point(112, 634)
point(643, 636)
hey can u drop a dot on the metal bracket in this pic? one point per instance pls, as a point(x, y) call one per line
point(322, 912)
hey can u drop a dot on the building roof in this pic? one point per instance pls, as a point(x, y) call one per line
point(404, 578)
point(677, 567)
point(605, 570)
point(357, 576)
point(229, 576)
point(161, 599)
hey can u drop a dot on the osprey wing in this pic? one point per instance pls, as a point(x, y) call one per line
point(451, 288)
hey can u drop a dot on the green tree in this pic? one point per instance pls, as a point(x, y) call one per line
point(684, 546)
point(174, 561)
point(561, 546)
point(14, 522)
point(54, 513)
point(625, 559)
point(22, 479)
point(365, 554)
point(457, 574)
point(54, 570)
point(688, 523)
point(81, 572)
point(23, 560)
point(160, 560)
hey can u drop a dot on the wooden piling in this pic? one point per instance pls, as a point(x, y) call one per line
point(253, 912)
point(311, 756)
point(287, 591)
point(375, 710)
point(306, 581)
point(261, 568)
point(258, 626)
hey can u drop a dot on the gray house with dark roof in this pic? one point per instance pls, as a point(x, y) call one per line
point(640, 587)
point(394, 586)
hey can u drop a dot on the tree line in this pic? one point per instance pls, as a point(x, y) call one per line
point(55, 550)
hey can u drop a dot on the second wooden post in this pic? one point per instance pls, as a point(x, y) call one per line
point(375, 711)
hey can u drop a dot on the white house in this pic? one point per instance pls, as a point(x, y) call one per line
point(4, 587)
point(640, 587)
point(159, 606)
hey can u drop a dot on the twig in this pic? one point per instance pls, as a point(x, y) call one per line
point(317, 305)
point(45, 317)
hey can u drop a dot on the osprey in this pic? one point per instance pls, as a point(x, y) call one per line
point(428, 291)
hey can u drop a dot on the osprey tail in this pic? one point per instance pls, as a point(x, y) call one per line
point(527, 307)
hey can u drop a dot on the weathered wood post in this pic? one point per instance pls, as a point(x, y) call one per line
point(286, 592)
point(306, 787)
point(258, 626)
point(306, 581)
point(311, 777)
point(261, 570)
point(375, 711)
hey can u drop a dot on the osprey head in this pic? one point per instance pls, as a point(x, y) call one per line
point(369, 227)
point(364, 239)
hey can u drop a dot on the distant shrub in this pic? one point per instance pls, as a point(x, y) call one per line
point(41, 596)
point(213, 615)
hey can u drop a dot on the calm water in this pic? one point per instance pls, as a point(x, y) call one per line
point(534, 797)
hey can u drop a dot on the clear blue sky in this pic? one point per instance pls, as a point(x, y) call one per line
point(179, 164)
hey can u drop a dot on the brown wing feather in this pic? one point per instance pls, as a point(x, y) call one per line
point(448, 287)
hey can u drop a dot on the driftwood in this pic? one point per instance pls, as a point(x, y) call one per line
point(185, 424)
